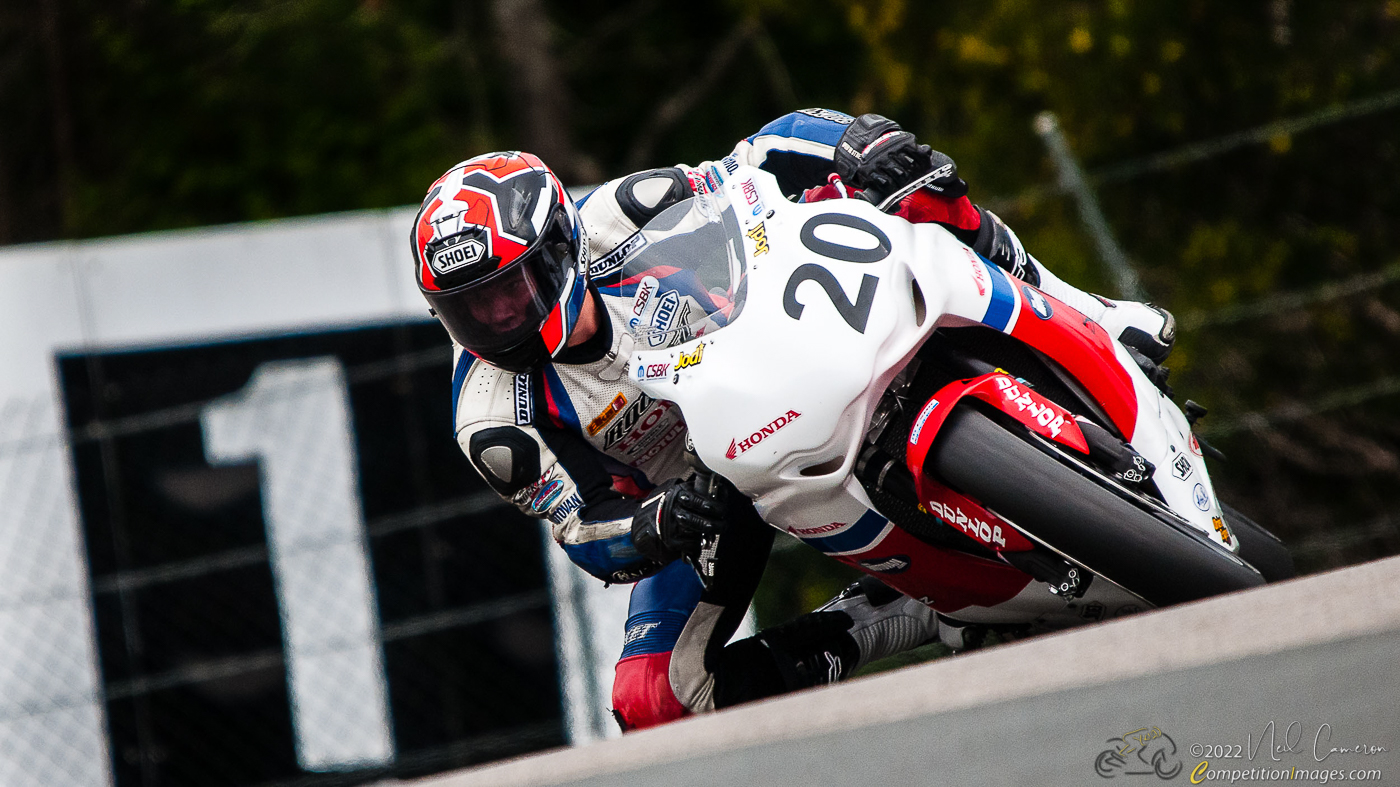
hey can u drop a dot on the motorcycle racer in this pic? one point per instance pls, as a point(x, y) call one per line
point(528, 284)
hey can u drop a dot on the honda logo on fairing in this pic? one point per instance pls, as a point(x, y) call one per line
point(737, 446)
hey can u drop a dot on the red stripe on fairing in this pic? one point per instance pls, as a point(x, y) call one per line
point(1086, 351)
point(552, 332)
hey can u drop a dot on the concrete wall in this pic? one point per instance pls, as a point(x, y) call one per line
point(1306, 666)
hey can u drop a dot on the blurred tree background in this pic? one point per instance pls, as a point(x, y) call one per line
point(121, 116)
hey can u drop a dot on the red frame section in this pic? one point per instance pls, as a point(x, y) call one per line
point(1084, 349)
point(1017, 400)
point(944, 579)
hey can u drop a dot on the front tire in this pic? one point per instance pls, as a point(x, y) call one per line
point(1085, 518)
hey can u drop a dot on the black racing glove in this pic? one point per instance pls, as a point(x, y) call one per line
point(678, 515)
point(876, 155)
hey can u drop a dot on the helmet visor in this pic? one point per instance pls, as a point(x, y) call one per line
point(508, 306)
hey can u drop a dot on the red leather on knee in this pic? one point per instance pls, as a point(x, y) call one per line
point(642, 693)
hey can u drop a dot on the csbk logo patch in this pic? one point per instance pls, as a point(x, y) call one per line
point(737, 446)
point(645, 288)
point(759, 236)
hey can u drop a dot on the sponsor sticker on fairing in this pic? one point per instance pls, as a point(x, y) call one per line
point(813, 532)
point(690, 359)
point(971, 525)
point(737, 446)
point(751, 196)
point(1219, 525)
point(919, 422)
point(1037, 302)
point(1200, 498)
point(979, 273)
point(1043, 414)
point(759, 236)
point(1181, 467)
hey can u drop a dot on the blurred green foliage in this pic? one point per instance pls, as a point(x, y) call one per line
point(132, 115)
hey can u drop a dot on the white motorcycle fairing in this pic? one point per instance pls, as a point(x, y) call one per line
point(826, 303)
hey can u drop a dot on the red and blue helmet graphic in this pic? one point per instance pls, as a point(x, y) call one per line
point(501, 258)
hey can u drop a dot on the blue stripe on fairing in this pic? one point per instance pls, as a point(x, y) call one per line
point(459, 376)
point(1003, 298)
point(567, 414)
point(661, 604)
point(854, 538)
point(800, 126)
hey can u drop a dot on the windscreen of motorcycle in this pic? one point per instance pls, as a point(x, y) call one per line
point(689, 279)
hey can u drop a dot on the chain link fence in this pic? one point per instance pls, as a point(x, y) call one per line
point(288, 572)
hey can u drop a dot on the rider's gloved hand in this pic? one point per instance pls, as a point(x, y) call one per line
point(876, 155)
point(678, 515)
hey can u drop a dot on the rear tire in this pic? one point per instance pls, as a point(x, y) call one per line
point(1082, 517)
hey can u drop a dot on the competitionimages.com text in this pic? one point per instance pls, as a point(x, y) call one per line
point(1204, 773)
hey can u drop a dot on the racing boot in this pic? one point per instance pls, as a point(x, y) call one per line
point(1144, 327)
point(883, 620)
point(1147, 331)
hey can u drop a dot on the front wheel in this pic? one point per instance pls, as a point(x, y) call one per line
point(1082, 516)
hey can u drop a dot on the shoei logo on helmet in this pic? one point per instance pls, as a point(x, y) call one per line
point(458, 253)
